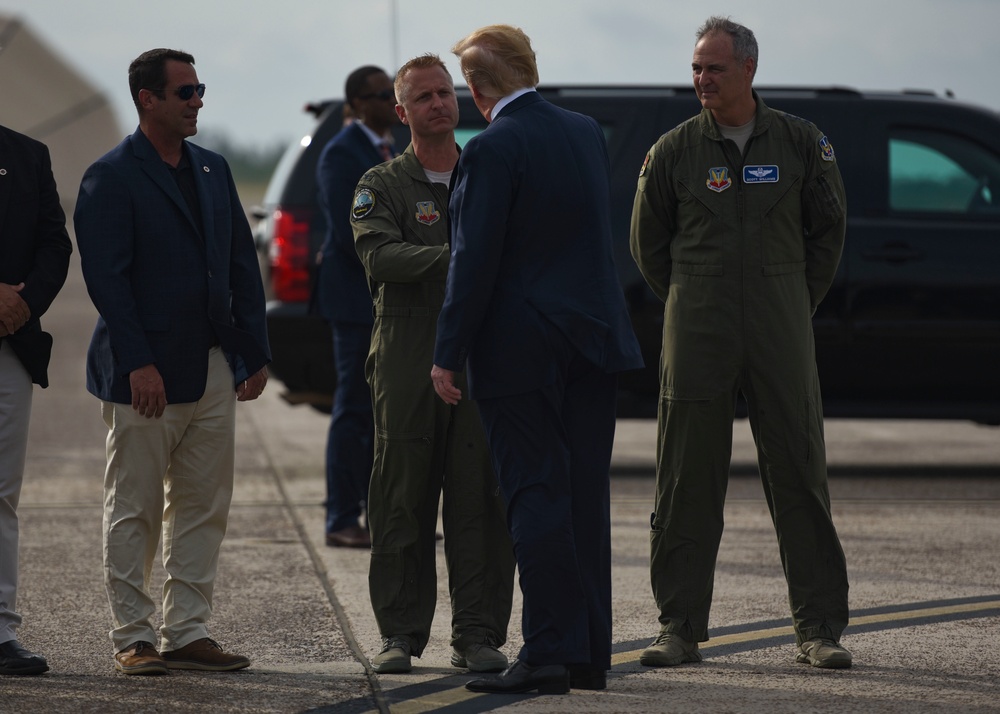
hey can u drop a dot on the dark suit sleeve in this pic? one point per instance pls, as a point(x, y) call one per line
point(247, 290)
point(337, 176)
point(479, 211)
point(105, 234)
point(52, 246)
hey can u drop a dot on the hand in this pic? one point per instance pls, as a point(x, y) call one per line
point(149, 397)
point(444, 385)
point(14, 311)
point(252, 386)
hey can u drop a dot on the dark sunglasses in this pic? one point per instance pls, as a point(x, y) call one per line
point(185, 91)
point(385, 95)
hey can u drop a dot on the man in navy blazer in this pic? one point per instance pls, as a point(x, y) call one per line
point(534, 308)
point(346, 303)
point(34, 260)
point(170, 264)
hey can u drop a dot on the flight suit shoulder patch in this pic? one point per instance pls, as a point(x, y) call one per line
point(364, 202)
point(645, 163)
point(826, 149)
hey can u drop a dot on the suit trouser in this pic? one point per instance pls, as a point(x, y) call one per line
point(173, 474)
point(424, 447)
point(349, 444)
point(693, 459)
point(15, 413)
point(552, 454)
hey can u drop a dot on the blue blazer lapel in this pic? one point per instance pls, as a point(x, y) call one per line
point(153, 166)
point(204, 181)
point(364, 144)
point(8, 170)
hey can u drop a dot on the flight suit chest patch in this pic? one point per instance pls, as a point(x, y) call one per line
point(767, 173)
point(718, 179)
point(427, 214)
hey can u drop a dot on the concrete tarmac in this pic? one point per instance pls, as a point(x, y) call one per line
point(917, 505)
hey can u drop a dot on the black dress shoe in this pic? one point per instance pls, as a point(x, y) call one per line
point(14, 659)
point(583, 676)
point(522, 677)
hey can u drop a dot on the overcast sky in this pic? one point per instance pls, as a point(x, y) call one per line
point(263, 60)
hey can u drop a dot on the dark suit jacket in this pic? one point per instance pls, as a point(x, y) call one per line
point(343, 294)
point(34, 245)
point(531, 250)
point(166, 288)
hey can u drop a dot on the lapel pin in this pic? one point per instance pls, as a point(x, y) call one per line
point(205, 169)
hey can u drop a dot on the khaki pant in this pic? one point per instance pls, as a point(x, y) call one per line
point(172, 475)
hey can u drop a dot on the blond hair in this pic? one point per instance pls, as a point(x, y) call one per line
point(401, 85)
point(497, 60)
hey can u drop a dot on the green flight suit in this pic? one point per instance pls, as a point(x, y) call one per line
point(741, 249)
point(422, 444)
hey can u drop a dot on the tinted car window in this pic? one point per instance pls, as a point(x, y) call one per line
point(932, 171)
point(462, 135)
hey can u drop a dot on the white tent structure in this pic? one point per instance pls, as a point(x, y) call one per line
point(45, 98)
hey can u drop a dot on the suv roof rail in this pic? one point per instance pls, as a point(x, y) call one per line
point(317, 108)
point(677, 89)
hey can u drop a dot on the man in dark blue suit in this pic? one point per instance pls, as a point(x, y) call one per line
point(534, 308)
point(170, 264)
point(346, 303)
point(34, 260)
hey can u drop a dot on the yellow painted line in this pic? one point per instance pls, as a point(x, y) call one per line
point(451, 697)
point(898, 616)
point(926, 612)
point(432, 702)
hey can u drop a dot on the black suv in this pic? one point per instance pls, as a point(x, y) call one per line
point(911, 325)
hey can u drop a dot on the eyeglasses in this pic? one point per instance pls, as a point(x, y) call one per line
point(385, 95)
point(184, 92)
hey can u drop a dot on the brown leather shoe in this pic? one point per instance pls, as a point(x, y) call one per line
point(205, 655)
point(140, 658)
point(350, 537)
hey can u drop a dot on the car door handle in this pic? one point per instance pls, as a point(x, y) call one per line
point(893, 253)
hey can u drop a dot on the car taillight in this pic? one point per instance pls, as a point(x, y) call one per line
point(291, 255)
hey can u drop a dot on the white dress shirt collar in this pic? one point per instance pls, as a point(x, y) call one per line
point(508, 99)
point(375, 138)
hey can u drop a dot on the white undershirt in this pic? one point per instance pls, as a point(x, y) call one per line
point(438, 176)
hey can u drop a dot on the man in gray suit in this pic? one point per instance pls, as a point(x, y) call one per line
point(34, 260)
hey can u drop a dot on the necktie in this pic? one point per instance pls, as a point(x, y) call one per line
point(386, 150)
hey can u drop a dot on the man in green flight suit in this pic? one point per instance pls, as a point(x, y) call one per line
point(422, 445)
point(738, 226)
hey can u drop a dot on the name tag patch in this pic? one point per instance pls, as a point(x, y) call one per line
point(760, 174)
